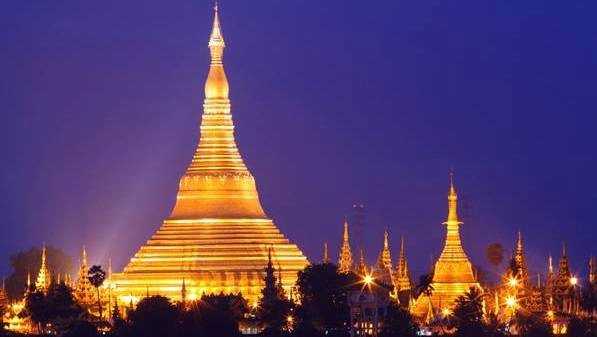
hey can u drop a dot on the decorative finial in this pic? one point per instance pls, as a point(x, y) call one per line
point(519, 242)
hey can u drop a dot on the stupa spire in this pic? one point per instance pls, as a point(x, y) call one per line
point(385, 259)
point(217, 226)
point(345, 262)
point(453, 246)
point(520, 260)
point(402, 280)
point(326, 257)
point(362, 269)
point(44, 279)
point(592, 270)
point(452, 202)
point(83, 290)
point(550, 265)
point(453, 272)
point(563, 266)
point(217, 183)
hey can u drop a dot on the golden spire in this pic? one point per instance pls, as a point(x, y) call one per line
point(549, 265)
point(83, 290)
point(564, 268)
point(326, 257)
point(402, 280)
point(592, 270)
point(44, 279)
point(522, 271)
point(362, 269)
point(345, 262)
point(453, 246)
point(217, 183)
point(452, 202)
point(385, 259)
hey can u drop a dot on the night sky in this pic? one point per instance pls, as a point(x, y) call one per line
point(335, 102)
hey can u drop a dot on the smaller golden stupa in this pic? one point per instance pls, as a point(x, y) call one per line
point(453, 273)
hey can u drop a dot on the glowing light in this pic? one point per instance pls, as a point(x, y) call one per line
point(550, 314)
point(255, 305)
point(446, 312)
point(512, 282)
point(574, 280)
point(511, 301)
point(290, 319)
point(192, 297)
point(368, 279)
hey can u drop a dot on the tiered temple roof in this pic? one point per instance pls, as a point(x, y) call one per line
point(44, 278)
point(345, 261)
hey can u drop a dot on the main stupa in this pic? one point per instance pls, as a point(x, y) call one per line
point(453, 273)
point(217, 237)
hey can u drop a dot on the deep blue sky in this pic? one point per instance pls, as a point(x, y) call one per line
point(335, 102)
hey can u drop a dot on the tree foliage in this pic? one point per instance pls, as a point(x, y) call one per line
point(154, 316)
point(323, 299)
point(30, 262)
point(468, 314)
point(398, 322)
point(97, 276)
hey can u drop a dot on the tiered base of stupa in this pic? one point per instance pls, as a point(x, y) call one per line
point(211, 256)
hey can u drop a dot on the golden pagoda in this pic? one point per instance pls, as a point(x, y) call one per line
point(385, 258)
point(521, 271)
point(402, 280)
point(44, 278)
point(217, 237)
point(383, 269)
point(345, 262)
point(453, 273)
point(84, 291)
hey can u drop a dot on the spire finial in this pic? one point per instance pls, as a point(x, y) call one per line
point(519, 242)
point(452, 201)
point(326, 257)
point(402, 245)
point(564, 249)
point(216, 39)
point(385, 239)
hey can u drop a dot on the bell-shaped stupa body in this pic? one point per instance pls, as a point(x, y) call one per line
point(218, 236)
point(453, 273)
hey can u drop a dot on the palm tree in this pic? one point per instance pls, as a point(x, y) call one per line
point(468, 312)
point(96, 276)
point(425, 285)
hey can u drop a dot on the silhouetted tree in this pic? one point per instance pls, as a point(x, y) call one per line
point(425, 285)
point(581, 327)
point(30, 261)
point(468, 314)
point(214, 315)
point(154, 316)
point(532, 325)
point(398, 322)
point(97, 276)
point(322, 291)
point(81, 328)
point(63, 310)
point(273, 305)
point(37, 309)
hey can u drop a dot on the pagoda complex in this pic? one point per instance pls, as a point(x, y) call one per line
point(453, 272)
point(217, 236)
